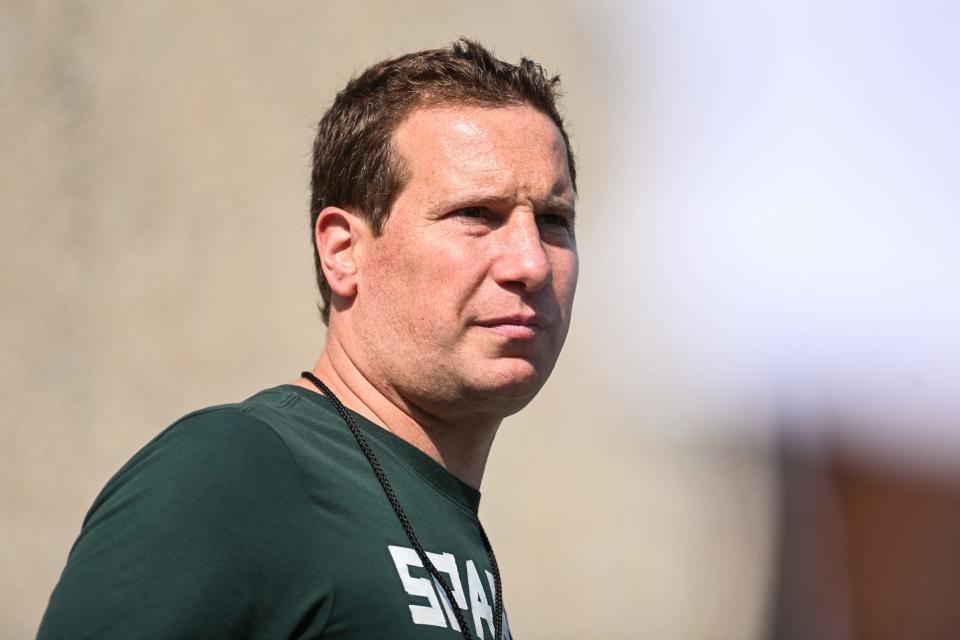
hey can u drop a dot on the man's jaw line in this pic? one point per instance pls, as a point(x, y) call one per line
point(418, 426)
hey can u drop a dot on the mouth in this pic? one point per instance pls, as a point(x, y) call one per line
point(516, 327)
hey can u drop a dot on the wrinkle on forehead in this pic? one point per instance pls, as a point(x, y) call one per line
point(462, 127)
point(453, 152)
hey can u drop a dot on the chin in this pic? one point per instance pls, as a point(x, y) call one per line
point(512, 381)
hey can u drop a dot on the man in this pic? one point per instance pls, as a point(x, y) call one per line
point(344, 505)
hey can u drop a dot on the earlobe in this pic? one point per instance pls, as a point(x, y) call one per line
point(336, 236)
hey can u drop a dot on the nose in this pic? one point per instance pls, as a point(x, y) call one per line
point(522, 259)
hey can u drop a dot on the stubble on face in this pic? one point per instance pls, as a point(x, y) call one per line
point(464, 300)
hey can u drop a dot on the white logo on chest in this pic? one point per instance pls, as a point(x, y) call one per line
point(437, 611)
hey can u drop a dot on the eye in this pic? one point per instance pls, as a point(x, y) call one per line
point(472, 212)
point(474, 215)
point(556, 220)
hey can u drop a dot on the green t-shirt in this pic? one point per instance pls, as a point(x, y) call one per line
point(263, 519)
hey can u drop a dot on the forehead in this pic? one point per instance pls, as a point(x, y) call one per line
point(508, 149)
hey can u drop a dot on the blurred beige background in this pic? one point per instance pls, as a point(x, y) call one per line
point(155, 259)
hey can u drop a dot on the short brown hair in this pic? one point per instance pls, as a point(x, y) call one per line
point(354, 163)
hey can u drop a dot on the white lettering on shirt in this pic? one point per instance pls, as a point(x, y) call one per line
point(446, 563)
point(429, 614)
point(438, 610)
point(479, 605)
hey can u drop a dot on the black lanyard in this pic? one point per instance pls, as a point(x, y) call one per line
point(408, 528)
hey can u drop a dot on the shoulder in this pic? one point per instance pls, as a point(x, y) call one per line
point(215, 472)
point(224, 436)
point(214, 460)
point(251, 421)
point(207, 443)
point(204, 525)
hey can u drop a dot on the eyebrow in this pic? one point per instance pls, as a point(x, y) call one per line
point(559, 204)
point(554, 203)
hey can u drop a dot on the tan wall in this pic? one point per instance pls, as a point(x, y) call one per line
point(155, 259)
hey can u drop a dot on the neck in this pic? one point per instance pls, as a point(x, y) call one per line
point(461, 445)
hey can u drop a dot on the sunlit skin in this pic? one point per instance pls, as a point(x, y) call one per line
point(453, 318)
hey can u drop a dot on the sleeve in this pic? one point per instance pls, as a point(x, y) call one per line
point(206, 533)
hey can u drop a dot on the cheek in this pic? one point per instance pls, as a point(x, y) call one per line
point(565, 271)
point(444, 273)
point(415, 287)
point(385, 293)
point(429, 281)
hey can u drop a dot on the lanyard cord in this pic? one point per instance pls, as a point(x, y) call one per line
point(408, 528)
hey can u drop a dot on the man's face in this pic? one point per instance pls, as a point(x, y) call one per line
point(466, 295)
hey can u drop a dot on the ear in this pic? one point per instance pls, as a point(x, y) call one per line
point(337, 235)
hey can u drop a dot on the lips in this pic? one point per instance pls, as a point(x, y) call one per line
point(518, 326)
